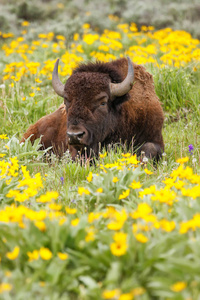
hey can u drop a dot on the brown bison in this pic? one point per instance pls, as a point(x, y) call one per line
point(104, 103)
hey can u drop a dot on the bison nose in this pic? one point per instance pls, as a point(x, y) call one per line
point(75, 137)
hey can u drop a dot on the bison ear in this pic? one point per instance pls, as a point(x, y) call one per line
point(122, 88)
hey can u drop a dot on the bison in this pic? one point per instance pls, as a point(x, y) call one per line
point(104, 103)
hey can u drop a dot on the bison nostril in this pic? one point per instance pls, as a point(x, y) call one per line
point(80, 135)
point(76, 135)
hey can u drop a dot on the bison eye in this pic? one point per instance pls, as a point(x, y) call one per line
point(103, 103)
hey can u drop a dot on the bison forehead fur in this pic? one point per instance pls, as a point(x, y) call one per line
point(94, 115)
point(81, 84)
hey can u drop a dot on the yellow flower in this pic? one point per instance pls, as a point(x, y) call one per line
point(63, 256)
point(186, 173)
point(126, 154)
point(25, 23)
point(132, 160)
point(115, 225)
point(90, 38)
point(31, 94)
point(141, 238)
point(148, 172)
point(100, 190)
point(143, 211)
point(118, 249)
point(45, 253)
point(164, 195)
point(70, 211)
point(93, 216)
point(3, 136)
point(36, 216)
point(119, 218)
point(167, 225)
point(124, 194)
point(102, 155)
point(103, 48)
point(135, 185)
point(55, 206)
point(147, 191)
point(40, 225)
point(178, 286)
point(82, 190)
point(45, 45)
point(75, 222)
point(115, 179)
point(89, 177)
point(33, 255)
point(126, 296)
point(182, 160)
point(47, 197)
point(190, 224)
point(193, 192)
point(120, 237)
point(13, 193)
point(7, 35)
point(110, 294)
point(90, 236)
point(76, 37)
point(169, 182)
point(5, 287)
point(61, 37)
point(14, 254)
point(86, 26)
point(62, 221)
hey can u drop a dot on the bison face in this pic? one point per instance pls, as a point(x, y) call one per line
point(89, 97)
point(87, 100)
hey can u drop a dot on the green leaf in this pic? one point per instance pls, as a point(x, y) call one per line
point(88, 281)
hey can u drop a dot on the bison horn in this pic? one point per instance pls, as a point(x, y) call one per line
point(120, 89)
point(57, 84)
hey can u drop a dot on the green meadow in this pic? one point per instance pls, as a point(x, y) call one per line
point(120, 228)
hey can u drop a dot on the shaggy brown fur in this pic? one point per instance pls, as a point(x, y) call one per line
point(95, 117)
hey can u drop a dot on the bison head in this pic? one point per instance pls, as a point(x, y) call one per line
point(90, 99)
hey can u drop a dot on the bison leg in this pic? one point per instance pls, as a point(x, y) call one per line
point(152, 150)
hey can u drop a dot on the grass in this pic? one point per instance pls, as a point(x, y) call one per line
point(111, 230)
point(67, 17)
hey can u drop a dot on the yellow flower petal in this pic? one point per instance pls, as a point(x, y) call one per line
point(63, 256)
point(14, 254)
point(45, 253)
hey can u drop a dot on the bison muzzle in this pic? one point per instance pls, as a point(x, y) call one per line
point(105, 103)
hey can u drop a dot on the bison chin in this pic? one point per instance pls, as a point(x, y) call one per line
point(80, 144)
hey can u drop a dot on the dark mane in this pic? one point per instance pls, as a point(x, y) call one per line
point(110, 68)
point(100, 67)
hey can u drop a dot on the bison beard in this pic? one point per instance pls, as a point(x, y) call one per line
point(102, 105)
